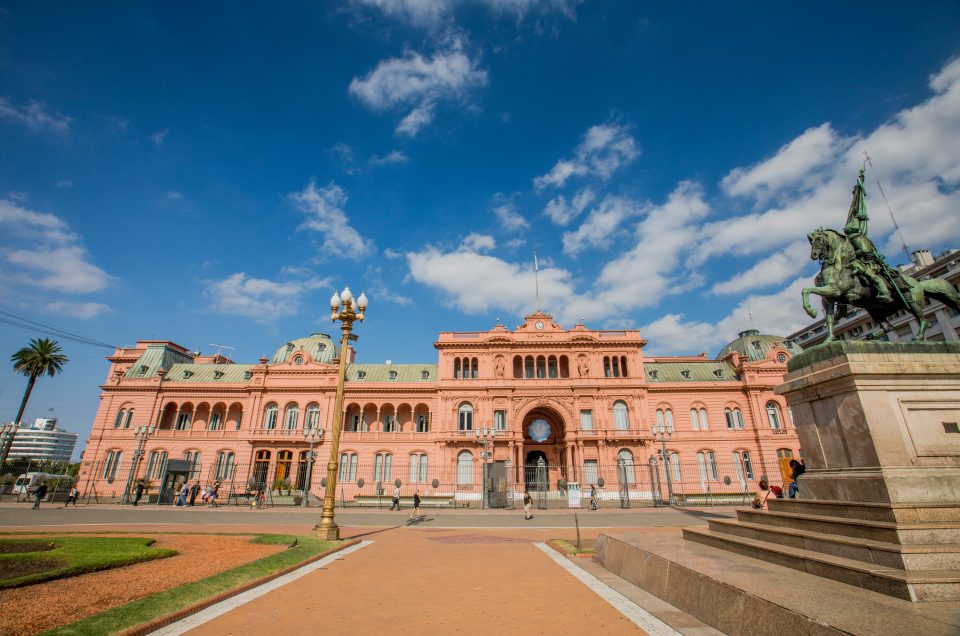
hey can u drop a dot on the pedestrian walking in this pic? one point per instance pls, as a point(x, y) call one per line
point(138, 492)
point(194, 491)
point(396, 499)
point(184, 492)
point(593, 497)
point(72, 497)
point(416, 505)
point(39, 494)
point(527, 503)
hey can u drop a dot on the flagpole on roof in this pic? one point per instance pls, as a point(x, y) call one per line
point(536, 278)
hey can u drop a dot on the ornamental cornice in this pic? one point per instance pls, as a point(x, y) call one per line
point(524, 404)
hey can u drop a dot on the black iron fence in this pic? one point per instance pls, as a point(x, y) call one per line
point(480, 485)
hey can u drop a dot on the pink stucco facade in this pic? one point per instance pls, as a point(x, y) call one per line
point(578, 398)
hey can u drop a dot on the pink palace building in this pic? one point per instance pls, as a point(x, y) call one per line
point(538, 407)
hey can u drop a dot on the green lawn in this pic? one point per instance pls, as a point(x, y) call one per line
point(162, 603)
point(70, 556)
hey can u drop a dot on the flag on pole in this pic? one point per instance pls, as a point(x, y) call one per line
point(535, 267)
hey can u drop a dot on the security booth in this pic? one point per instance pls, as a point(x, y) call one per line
point(178, 471)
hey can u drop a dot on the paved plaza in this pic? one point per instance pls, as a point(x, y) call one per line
point(451, 572)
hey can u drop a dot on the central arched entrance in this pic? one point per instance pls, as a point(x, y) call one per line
point(543, 438)
point(530, 477)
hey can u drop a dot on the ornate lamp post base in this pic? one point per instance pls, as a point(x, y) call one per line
point(327, 533)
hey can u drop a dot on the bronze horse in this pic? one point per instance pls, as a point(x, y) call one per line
point(838, 287)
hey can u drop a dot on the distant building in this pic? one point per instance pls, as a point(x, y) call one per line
point(943, 322)
point(42, 440)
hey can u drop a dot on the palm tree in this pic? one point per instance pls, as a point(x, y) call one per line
point(41, 357)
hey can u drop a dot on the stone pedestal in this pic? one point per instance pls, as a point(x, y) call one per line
point(878, 422)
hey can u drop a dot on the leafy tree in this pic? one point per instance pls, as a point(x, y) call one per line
point(40, 357)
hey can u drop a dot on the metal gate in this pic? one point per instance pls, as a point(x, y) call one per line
point(497, 485)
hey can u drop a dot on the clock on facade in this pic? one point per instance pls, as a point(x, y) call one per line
point(539, 324)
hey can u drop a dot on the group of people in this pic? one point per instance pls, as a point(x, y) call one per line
point(395, 502)
point(40, 493)
point(188, 492)
point(797, 468)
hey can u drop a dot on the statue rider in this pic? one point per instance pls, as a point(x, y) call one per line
point(867, 262)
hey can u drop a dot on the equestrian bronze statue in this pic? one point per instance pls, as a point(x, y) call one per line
point(853, 272)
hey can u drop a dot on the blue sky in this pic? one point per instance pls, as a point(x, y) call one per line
point(211, 173)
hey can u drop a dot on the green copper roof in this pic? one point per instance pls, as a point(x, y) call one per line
point(319, 345)
point(156, 357)
point(754, 345)
point(208, 373)
point(400, 373)
point(707, 371)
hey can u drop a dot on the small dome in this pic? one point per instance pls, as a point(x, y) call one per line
point(754, 345)
point(319, 346)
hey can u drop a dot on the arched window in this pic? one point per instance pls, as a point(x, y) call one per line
point(773, 415)
point(616, 366)
point(552, 367)
point(284, 463)
point(475, 369)
point(606, 367)
point(464, 467)
point(456, 368)
point(270, 417)
point(465, 417)
point(224, 468)
point(418, 468)
point(747, 464)
point(621, 420)
point(625, 469)
point(312, 420)
point(290, 420)
point(694, 420)
point(541, 367)
point(734, 418)
point(739, 469)
point(528, 367)
point(665, 419)
point(156, 464)
point(517, 367)
point(348, 467)
point(675, 467)
point(193, 456)
point(216, 421)
point(623, 366)
point(183, 420)
point(703, 419)
point(564, 367)
point(112, 463)
point(707, 462)
point(261, 466)
point(121, 414)
point(382, 468)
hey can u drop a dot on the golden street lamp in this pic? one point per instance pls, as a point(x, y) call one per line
point(346, 309)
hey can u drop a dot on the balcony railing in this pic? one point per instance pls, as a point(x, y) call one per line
point(167, 433)
point(380, 436)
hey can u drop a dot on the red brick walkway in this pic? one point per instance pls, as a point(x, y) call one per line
point(432, 581)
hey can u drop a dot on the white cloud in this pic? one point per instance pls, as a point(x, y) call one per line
point(778, 314)
point(84, 311)
point(260, 299)
point(159, 137)
point(774, 269)
point(64, 183)
point(323, 213)
point(433, 13)
point(604, 149)
point(42, 251)
point(419, 83)
point(35, 116)
point(509, 218)
point(794, 164)
point(392, 157)
point(562, 213)
point(173, 195)
point(477, 283)
point(601, 225)
point(478, 243)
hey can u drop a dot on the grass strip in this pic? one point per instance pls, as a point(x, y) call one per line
point(84, 554)
point(566, 547)
point(161, 604)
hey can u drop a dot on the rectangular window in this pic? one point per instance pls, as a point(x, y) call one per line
point(215, 420)
point(500, 420)
point(414, 468)
point(586, 420)
point(183, 421)
point(423, 469)
point(389, 424)
point(423, 423)
point(590, 471)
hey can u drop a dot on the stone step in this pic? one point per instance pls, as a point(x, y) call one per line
point(922, 585)
point(866, 511)
point(880, 553)
point(933, 532)
point(743, 596)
